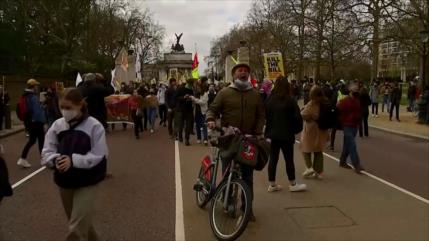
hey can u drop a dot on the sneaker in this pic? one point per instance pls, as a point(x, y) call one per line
point(199, 142)
point(23, 163)
point(359, 170)
point(152, 131)
point(274, 188)
point(376, 116)
point(373, 116)
point(346, 166)
point(308, 172)
point(297, 187)
point(206, 143)
point(318, 176)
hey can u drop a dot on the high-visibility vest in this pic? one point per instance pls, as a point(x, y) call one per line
point(340, 96)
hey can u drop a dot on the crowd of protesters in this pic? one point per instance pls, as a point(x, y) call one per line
point(70, 127)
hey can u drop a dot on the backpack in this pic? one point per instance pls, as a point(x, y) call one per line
point(22, 109)
point(328, 117)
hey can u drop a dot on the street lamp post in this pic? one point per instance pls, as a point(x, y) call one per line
point(423, 101)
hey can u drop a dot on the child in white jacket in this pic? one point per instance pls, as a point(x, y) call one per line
point(75, 147)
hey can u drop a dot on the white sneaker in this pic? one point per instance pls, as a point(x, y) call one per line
point(23, 163)
point(199, 142)
point(297, 187)
point(308, 172)
point(274, 188)
point(318, 176)
point(152, 131)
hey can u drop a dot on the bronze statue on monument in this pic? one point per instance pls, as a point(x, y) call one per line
point(178, 47)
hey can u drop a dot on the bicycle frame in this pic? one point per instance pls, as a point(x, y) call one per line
point(228, 173)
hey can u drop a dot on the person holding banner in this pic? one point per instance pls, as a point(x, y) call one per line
point(94, 89)
point(135, 104)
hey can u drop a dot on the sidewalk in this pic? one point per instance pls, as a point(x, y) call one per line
point(343, 206)
point(408, 125)
point(17, 126)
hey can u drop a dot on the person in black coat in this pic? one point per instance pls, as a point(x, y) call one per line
point(94, 90)
point(395, 100)
point(365, 102)
point(170, 99)
point(284, 121)
point(184, 117)
point(5, 188)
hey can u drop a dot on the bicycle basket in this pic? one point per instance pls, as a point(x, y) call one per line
point(247, 153)
point(254, 153)
point(228, 146)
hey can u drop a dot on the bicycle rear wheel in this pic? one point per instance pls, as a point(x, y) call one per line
point(230, 222)
point(202, 189)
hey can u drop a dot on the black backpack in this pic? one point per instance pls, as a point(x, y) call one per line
point(328, 117)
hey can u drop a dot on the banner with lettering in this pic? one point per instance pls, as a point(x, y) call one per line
point(117, 108)
point(273, 63)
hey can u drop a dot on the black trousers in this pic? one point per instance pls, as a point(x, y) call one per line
point(37, 133)
point(163, 113)
point(138, 122)
point(145, 118)
point(396, 107)
point(333, 132)
point(375, 108)
point(287, 148)
point(184, 120)
point(363, 127)
point(1, 119)
point(170, 118)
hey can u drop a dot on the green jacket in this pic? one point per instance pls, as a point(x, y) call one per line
point(241, 109)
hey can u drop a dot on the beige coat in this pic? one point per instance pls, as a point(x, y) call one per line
point(313, 139)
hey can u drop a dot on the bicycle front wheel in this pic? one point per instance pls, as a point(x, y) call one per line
point(229, 222)
point(202, 193)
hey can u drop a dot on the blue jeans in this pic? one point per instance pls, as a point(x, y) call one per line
point(151, 115)
point(200, 120)
point(349, 147)
point(386, 101)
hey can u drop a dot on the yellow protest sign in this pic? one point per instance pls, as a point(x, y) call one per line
point(273, 63)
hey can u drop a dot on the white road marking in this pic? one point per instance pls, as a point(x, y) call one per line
point(28, 177)
point(383, 181)
point(180, 226)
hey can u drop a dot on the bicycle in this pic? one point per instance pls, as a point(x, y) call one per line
point(229, 214)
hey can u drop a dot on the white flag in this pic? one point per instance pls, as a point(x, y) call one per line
point(78, 79)
point(113, 78)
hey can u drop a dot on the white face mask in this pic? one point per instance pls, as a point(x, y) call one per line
point(69, 114)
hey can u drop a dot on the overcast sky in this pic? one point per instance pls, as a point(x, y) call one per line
point(200, 21)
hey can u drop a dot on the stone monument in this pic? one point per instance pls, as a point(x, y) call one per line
point(177, 64)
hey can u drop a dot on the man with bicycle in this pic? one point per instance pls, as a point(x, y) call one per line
point(239, 105)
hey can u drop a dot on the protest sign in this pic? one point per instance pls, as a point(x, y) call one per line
point(273, 63)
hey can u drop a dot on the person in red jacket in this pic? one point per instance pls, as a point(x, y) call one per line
point(350, 115)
